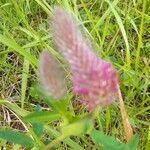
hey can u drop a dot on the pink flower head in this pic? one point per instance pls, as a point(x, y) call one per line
point(51, 76)
point(94, 79)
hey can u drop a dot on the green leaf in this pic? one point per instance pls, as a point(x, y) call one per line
point(16, 137)
point(107, 142)
point(72, 144)
point(133, 143)
point(78, 127)
point(42, 117)
point(37, 128)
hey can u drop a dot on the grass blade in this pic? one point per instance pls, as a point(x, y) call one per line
point(19, 111)
point(12, 44)
point(140, 37)
point(24, 81)
point(44, 7)
point(119, 21)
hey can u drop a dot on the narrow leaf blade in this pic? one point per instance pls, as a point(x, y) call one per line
point(107, 142)
point(42, 117)
point(16, 137)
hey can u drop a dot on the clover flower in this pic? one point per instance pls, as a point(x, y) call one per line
point(51, 76)
point(94, 79)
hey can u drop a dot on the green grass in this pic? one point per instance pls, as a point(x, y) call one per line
point(120, 33)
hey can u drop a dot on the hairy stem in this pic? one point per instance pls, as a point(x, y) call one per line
point(127, 127)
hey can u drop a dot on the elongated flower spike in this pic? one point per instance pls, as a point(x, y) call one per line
point(94, 79)
point(51, 76)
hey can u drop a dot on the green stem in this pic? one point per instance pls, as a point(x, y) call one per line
point(140, 37)
point(97, 115)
